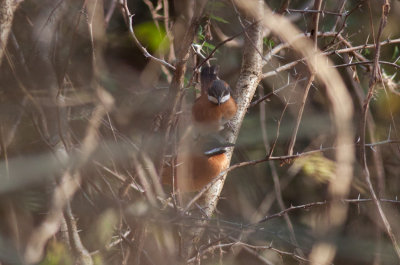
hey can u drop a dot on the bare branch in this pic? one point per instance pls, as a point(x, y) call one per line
point(68, 185)
point(375, 75)
point(317, 204)
point(82, 255)
point(317, 6)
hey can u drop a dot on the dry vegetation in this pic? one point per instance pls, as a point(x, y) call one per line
point(95, 99)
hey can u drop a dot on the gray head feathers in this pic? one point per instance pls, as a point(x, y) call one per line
point(219, 92)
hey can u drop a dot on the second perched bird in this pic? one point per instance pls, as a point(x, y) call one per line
point(215, 107)
point(197, 164)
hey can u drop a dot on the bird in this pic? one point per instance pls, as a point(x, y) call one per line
point(197, 164)
point(215, 106)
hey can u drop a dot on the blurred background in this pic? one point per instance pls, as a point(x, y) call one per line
point(81, 135)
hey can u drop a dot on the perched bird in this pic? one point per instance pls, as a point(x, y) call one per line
point(198, 163)
point(215, 106)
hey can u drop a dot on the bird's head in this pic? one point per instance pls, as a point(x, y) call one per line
point(219, 92)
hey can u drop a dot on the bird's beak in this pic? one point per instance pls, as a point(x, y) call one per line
point(219, 101)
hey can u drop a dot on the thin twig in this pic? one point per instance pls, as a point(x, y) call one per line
point(364, 46)
point(281, 69)
point(223, 42)
point(317, 6)
point(128, 17)
point(240, 243)
point(171, 55)
point(275, 178)
point(270, 94)
point(316, 204)
point(338, 51)
point(300, 115)
point(339, 9)
point(367, 62)
point(345, 19)
point(251, 42)
point(271, 151)
point(113, 243)
point(265, 247)
point(345, 50)
point(285, 45)
point(311, 11)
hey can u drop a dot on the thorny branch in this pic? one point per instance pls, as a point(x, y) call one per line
point(275, 178)
point(316, 204)
point(68, 185)
point(375, 77)
point(338, 51)
point(314, 30)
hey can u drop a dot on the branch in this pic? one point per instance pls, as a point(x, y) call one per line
point(374, 78)
point(285, 45)
point(339, 51)
point(367, 62)
point(323, 12)
point(68, 184)
point(314, 30)
point(275, 92)
point(364, 46)
point(316, 204)
point(82, 255)
point(281, 252)
point(275, 177)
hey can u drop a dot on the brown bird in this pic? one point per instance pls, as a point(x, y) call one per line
point(212, 110)
point(197, 164)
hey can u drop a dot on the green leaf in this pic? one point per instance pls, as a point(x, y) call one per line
point(219, 19)
point(200, 34)
point(98, 259)
point(209, 46)
point(395, 52)
point(105, 226)
point(185, 81)
point(151, 37)
point(366, 52)
point(215, 5)
point(268, 42)
point(57, 254)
